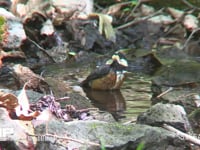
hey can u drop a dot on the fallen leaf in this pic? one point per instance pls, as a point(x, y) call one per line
point(23, 107)
point(190, 22)
point(44, 117)
point(47, 28)
point(8, 100)
point(105, 26)
point(175, 12)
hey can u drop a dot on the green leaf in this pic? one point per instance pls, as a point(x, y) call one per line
point(126, 9)
point(134, 2)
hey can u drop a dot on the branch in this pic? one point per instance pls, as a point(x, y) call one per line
point(71, 139)
point(165, 92)
point(68, 139)
point(42, 49)
point(190, 5)
point(182, 135)
point(190, 37)
point(140, 20)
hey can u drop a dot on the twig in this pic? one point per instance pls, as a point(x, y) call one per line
point(190, 37)
point(43, 50)
point(67, 139)
point(182, 135)
point(74, 140)
point(165, 92)
point(98, 7)
point(136, 6)
point(130, 122)
point(139, 20)
point(62, 98)
point(185, 96)
point(190, 5)
point(87, 110)
point(133, 10)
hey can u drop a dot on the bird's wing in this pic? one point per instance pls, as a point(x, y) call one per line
point(98, 73)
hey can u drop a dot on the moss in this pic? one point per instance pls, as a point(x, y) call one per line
point(2, 25)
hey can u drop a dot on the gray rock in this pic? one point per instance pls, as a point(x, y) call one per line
point(110, 135)
point(78, 134)
point(16, 34)
point(14, 30)
point(158, 114)
point(13, 131)
point(183, 77)
point(194, 119)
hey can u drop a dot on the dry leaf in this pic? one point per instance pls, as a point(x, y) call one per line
point(147, 10)
point(175, 12)
point(105, 26)
point(44, 117)
point(190, 22)
point(8, 100)
point(23, 107)
point(28, 128)
point(12, 54)
point(29, 116)
point(47, 28)
point(35, 82)
point(18, 107)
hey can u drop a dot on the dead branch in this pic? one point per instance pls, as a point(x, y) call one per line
point(87, 110)
point(182, 135)
point(139, 20)
point(185, 96)
point(62, 99)
point(74, 140)
point(68, 139)
point(190, 5)
point(133, 10)
point(42, 49)
point(190, 37)
point(165, 92)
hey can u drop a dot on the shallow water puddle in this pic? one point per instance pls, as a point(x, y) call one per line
point(124, 105)
point(127, 103)
point(137, 93)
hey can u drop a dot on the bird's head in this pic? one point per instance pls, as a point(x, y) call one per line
point(118, 58)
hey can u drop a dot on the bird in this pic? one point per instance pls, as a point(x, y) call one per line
point(109, 76)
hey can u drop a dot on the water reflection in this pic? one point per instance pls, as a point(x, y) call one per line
point(111, 101)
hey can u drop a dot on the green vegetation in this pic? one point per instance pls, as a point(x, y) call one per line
point(131, 6)
point(102, 144)
point(140, 146)
point(2, 22)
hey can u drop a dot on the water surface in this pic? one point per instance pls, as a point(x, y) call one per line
point(125, 104)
